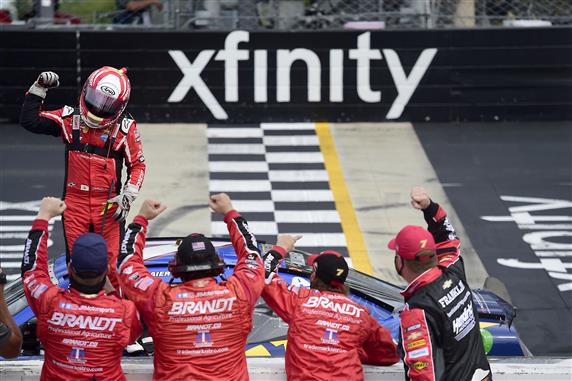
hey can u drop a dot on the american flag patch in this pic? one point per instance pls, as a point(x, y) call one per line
point(198, 246)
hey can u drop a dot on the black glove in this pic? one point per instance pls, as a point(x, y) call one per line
point(271, 260)
point(3, 279)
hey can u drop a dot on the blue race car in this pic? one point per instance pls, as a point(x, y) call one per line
point(268, 336)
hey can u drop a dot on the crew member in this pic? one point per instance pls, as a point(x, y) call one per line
point(200, 326)
point(329, 335)
point(440, 336)
point(82, 329)
point(99, 136)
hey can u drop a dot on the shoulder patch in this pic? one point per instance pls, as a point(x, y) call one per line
point(126, 124)
point(67, 111)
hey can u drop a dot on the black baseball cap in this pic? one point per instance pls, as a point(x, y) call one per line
point(197, 253)
point(330, 266)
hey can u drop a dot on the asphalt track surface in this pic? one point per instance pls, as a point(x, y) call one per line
point(31, 167)
point(475, 163)
point(522, 162)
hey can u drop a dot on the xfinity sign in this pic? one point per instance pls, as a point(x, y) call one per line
point(363, 54)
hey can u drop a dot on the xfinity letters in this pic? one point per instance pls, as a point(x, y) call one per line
point(363, 58)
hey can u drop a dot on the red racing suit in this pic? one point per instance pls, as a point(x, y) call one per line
point(440, 337)
point(92, 167)
point(329, 335)
point(199, 328)
point(83, 335)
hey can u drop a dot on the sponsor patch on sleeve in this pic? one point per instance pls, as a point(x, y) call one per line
point(416, 344)
point(144, 283)
point(126, 124)
point(418, 353)
point(418, 365)
point(128, 270)
point(38, 291)
point(414, 335)
point(67, 111)
point(413, 328)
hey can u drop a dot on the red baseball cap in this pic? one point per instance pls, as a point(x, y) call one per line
point(411, 240)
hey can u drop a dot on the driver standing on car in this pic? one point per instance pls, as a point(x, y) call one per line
point(83, 330)
point(440, 337)
point(99, 137)
point(199, 327)
point(329, 335)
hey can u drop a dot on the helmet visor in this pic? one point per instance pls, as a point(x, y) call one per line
point(102, 102)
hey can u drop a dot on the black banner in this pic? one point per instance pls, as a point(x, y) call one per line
point(240, 77)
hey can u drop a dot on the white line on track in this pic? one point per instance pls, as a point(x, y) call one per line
point(240, 185)
point(245, 206)
point(287, 126)
point(303, 140)
point(321, 239)
point(302, 195)
point(11, 265)
point(14, 235)
point(18, 256)
point(295, 157)
point(297, 176)
point(236, 149)
point(19, 228)
point(257, 227)
point(238, 166)
point(24, 218)
point(234, 132)
point(307, 216)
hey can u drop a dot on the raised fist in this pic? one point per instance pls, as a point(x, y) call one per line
point(48, 80)
point(220, 203)
point(51, 207)
point(151, 209)
point(419, 198)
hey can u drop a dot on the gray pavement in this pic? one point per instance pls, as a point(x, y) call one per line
point(177, 173)
point(381, 163)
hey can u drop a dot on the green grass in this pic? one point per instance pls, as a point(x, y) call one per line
point(84, 9)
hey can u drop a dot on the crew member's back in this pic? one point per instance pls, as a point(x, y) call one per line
point(83, 330)
point(199, 327)
point(329, 335)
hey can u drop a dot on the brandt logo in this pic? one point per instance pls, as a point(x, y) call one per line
point(364, 56)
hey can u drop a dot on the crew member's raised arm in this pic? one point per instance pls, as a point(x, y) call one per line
point(137, 283)
point(438, 225)
point(38, 286)
point(280, 296)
